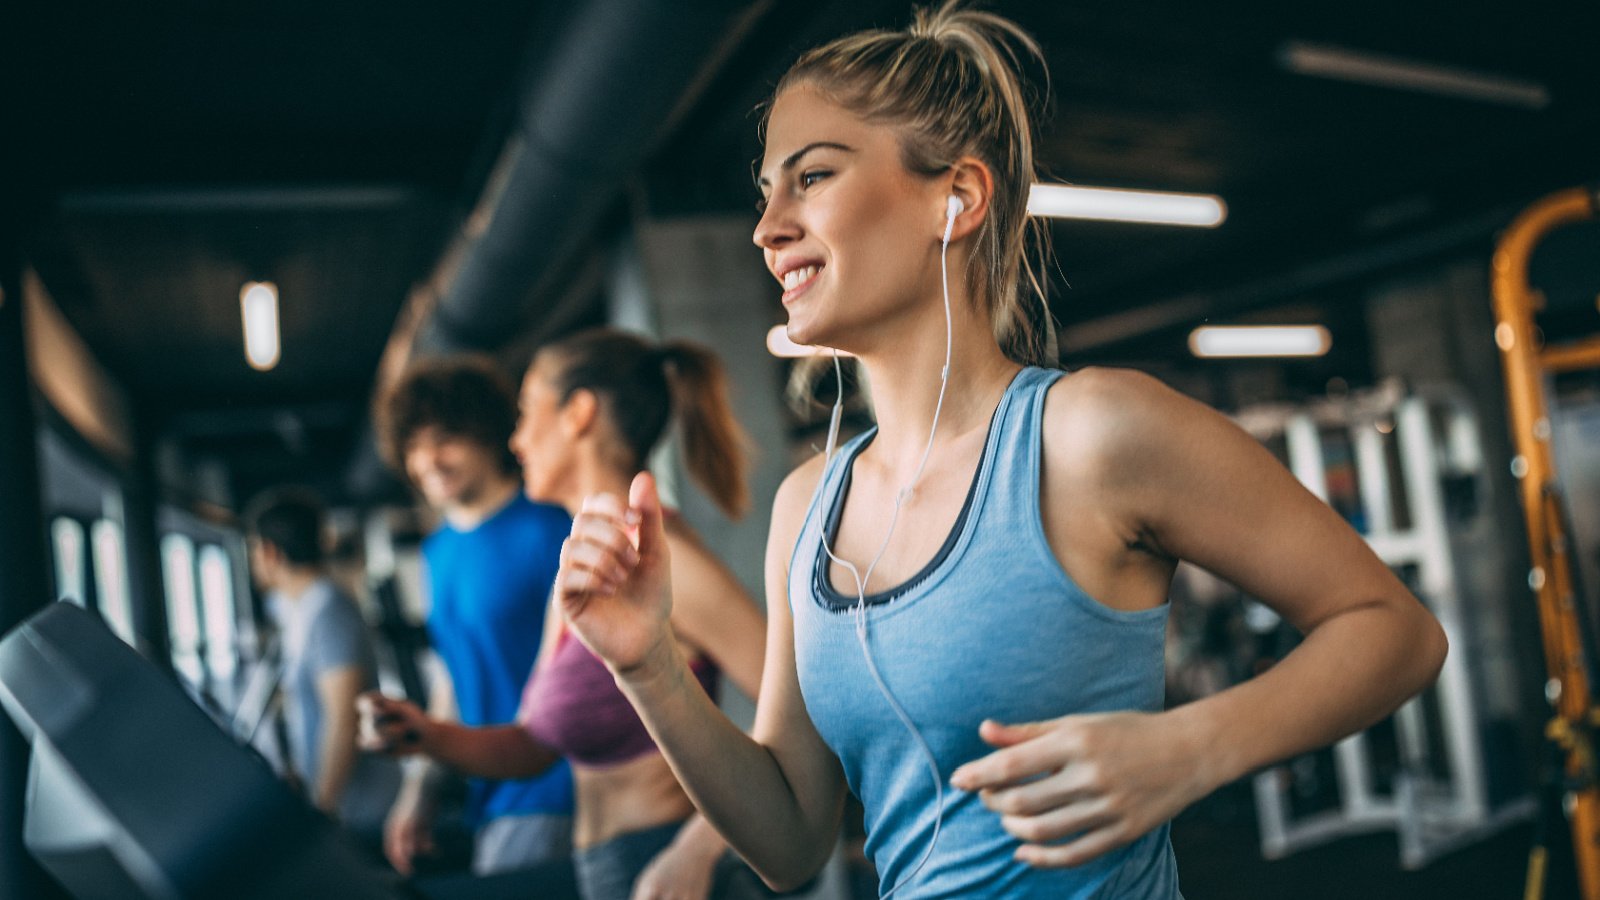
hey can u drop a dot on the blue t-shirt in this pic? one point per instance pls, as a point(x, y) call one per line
point(491, 586)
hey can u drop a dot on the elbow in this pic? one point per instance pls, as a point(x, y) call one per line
point(788, 881)
point(1427, 650)
point(793, 874)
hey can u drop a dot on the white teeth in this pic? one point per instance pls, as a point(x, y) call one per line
point(796, 277)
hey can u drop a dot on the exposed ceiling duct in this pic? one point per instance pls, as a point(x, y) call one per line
point(600, 92)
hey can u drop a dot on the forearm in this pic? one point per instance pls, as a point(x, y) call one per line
point(701, 840)
point(500, 751)
point(338, 760)
point(739, 785)
point(1348, 673)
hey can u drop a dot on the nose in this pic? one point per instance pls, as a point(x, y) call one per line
point(777, 226)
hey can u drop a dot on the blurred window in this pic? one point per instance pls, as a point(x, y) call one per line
point(220, 615)
point(70, 554)
point(183, 605)
point(111, 577)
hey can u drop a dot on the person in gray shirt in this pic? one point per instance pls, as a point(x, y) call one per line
point(327, 660)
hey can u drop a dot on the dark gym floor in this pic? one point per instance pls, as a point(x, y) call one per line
point(1223, 862)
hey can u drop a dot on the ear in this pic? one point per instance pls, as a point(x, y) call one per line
point(268, 554)
point(971, 180)
point(579, 413)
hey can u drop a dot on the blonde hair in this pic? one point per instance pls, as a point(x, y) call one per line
point(951, 84)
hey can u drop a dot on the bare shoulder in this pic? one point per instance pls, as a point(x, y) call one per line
point(1098, 421)
point(793, 498)
point(1100, 392)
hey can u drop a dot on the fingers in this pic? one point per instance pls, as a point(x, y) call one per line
point(1035, 750)
point(404, 840)
point(1055, 824)
point(1090, 845)
point(999, 735)
point(599, 554)
point(388, 725)
point(1074, 783)
point(645, 504)
point(397, 846)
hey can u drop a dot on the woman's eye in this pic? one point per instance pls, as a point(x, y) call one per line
point(761, 205)
point(807, 179)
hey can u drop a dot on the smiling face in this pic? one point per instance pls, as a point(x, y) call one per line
point(450, 470)
point(848, 231)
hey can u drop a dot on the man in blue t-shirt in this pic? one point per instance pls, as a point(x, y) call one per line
point(490, 566)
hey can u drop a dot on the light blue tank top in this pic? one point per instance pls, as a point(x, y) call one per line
point(996, 629)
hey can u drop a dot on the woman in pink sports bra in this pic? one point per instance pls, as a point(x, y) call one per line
point(591, 409)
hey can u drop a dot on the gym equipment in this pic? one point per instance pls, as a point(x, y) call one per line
point(1569, 645)
point(133, 792)
point(1407, 471)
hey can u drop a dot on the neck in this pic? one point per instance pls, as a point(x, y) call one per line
point(294, 582)
point(469, 514)
point(904, 380)
point(591, 475)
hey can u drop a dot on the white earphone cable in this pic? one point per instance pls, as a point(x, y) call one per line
point(859, 611)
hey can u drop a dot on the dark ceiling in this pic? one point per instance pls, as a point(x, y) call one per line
point(176, 150)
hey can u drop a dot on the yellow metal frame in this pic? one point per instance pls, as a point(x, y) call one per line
point(1526, 364)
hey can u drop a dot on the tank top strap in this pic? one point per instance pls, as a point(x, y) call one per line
point(1014, 470)
point(822, 498)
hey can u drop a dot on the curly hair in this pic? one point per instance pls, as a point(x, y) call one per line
point(463, 396)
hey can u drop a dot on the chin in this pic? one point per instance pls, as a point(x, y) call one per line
point(807, 333)
point(536, 493)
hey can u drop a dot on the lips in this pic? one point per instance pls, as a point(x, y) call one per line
point(798, 279)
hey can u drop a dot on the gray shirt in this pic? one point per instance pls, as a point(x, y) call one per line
point(322, 631)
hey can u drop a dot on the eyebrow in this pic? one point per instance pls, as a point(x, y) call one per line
point(794, 158)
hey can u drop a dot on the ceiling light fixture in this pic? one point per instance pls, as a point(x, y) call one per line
point(1234, 341)
point(1061, 201)
point(258, 307)
point(1361, 67)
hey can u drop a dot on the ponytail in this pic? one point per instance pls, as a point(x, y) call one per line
point(641, 386)
point(713, 442)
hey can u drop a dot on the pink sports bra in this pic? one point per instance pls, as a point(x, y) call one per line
point(572, 704)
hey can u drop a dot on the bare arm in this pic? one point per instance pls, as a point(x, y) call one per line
point(712, 613)
point(337, 690)
point(400, 728)
point(1156, 477)
point(777, 794)
point(1211, 494)
point(499, 751)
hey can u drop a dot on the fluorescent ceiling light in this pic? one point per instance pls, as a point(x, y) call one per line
point(1060, 201)
point(1259, 340)
point(258, 306)
point(778, 344)
point(1342, 64)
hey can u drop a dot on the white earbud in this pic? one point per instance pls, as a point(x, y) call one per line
point(955, 207)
